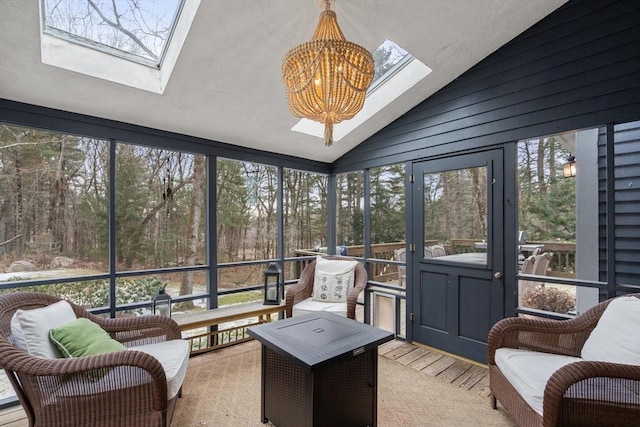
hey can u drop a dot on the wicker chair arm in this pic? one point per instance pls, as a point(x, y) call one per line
point(142, 329)
point(301, 290)
point(134, 330)
point(21, 362)
point(359, 285)
point(549, 336)
point(565, 382)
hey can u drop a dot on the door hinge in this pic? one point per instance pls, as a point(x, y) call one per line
point(412, 248)
point(412, 317)
point(412, 178)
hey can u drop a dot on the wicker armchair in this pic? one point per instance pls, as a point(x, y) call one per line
point(579, 393)
point(304, 288)
point(59, 392)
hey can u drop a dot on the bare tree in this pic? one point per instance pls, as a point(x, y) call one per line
point(195, 214)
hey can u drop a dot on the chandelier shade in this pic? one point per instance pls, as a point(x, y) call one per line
point(327, 78)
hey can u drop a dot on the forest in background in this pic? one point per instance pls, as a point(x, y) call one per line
point(54, 192)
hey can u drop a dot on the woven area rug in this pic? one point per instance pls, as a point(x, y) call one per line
point(222, 388)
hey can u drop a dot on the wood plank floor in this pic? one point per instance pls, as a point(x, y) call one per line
point(462, 373)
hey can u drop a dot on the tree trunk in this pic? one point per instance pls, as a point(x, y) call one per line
point(58, 202)
point(542, 186)
point(195, 213)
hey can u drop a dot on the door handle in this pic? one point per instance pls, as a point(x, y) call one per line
point(497, 275)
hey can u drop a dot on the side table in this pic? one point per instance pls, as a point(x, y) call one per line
point(319, 369)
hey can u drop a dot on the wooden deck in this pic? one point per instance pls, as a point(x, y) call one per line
point(465, 374)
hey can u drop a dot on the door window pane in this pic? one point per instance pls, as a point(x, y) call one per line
point(455, 215)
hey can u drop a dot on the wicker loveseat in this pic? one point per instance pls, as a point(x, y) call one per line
point(579, 372)
point(137, 385)
point(301, 293)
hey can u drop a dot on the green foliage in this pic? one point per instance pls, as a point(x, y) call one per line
point(95, 293)
point(132, 197)
point(232, 199)
point(387, 204)
point(553, 217)
point(350, 214)
point(546, 200)
point(357, 226)
point(549, 299)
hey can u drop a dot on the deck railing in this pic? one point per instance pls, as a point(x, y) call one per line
point(562, 264)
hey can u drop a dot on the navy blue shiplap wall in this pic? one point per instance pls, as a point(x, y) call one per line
point(577, 68)
point(626, 183)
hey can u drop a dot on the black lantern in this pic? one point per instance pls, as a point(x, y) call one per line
point(272, 285)
point(162, 303)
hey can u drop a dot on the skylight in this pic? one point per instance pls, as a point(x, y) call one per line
point(396, 71)
point(138, 30)
point(131, 42)
point(385, 57)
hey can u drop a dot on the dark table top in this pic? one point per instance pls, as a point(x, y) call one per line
point(316, 339)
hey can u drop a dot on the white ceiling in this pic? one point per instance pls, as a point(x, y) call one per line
point(226, 84)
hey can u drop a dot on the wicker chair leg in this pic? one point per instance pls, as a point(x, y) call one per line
point(493, 402)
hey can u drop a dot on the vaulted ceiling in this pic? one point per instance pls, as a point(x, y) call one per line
point(226, 84)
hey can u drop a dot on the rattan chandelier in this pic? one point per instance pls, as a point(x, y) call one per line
point(327, 78)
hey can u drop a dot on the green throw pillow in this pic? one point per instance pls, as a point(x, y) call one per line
point(82, 337)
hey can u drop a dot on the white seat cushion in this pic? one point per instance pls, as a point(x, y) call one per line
point(529, 371)
point(30, 328)
point(174, 357)
point(616, 337)
point(311, 306)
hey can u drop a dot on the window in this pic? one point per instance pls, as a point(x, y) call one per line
point(246, 201)
point(137, 30)
point(388, 225)
point(350, 211)
point(54, 201)
point(558, 220)
point(305, 216)
point(130, 42)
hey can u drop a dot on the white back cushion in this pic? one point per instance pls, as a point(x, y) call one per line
point(333, 279)
point(616, 337)
point(30, 328)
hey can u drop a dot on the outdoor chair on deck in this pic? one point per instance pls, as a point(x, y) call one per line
point(401, 256)
point(579, 372)
point(135, 383)
point(438, 250)
point(306, 297)
point(537, 265)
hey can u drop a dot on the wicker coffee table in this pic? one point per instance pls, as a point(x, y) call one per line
point(319, 369)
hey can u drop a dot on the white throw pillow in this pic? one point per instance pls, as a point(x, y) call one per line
point(333, 279)
point(30, 328)
point(616, 337)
